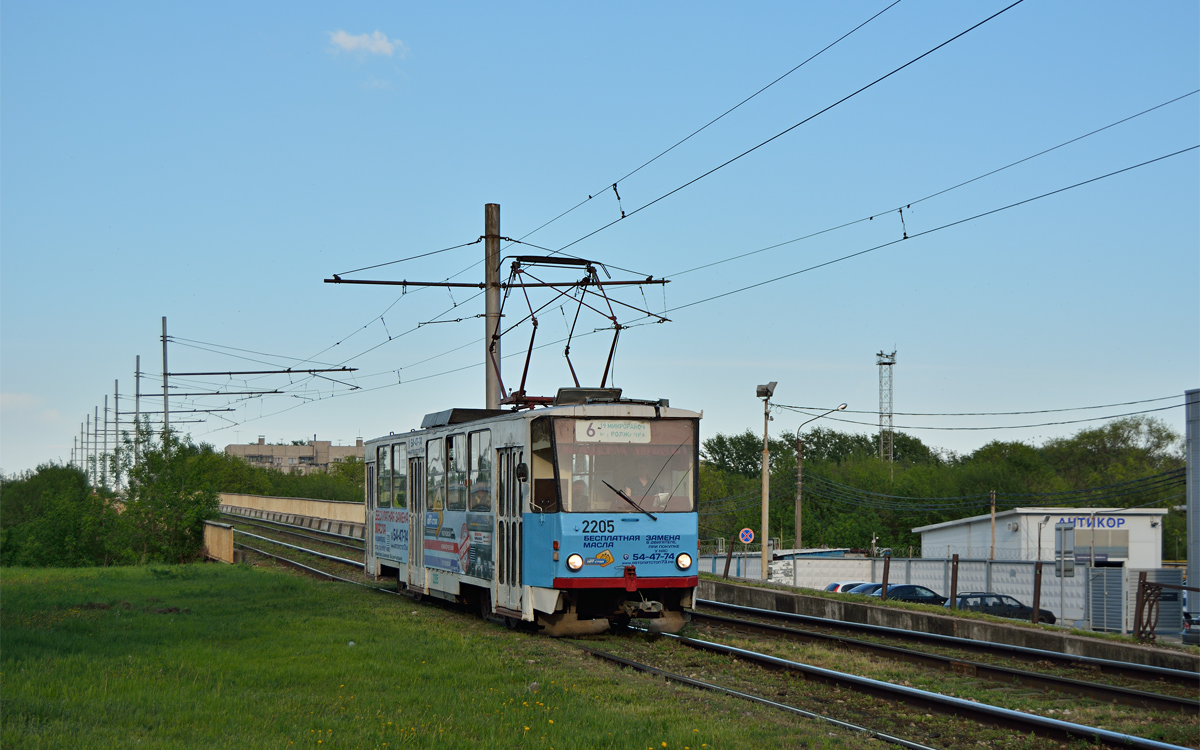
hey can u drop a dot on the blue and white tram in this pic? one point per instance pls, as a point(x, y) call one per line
point(576, 516)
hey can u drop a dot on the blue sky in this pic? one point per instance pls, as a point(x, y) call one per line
point(213, 163)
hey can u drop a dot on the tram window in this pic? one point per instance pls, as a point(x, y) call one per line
point(435, 475)
point(384, 469)
point(651, 462)
point(399, 478)
point(480, 449)
point(545, 489)
point(456, 472)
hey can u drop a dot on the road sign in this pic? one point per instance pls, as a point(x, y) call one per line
point(746, 535)
point(1064, 550)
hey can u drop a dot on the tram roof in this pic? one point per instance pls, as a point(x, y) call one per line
point(635, 408)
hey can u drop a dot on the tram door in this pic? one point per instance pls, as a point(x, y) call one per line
point(416, 523)
point(508, 530)
point(369, 528)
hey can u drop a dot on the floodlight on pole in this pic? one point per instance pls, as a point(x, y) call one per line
point(765, 392)
point(800, 479)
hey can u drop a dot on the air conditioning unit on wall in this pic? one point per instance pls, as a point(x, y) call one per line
point(1013, 526)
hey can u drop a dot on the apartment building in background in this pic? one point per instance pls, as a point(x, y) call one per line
point(316, 456)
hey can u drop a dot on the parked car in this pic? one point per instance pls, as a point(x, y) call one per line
point(1001, 605)
point(843, 586)
point(866, 588)
point(907, 592)
point(1191, 630)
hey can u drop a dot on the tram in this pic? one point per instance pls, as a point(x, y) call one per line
point(573, 517)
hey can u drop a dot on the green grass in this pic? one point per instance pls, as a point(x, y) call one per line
point(234, 656)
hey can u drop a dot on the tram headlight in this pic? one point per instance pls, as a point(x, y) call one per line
point(683, 561)
point(575, 562)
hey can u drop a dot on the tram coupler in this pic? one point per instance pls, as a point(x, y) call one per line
point(642, 608)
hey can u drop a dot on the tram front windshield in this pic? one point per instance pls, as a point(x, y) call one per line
point(650, 462)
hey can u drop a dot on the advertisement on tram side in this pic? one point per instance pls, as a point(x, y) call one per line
point(391, 534)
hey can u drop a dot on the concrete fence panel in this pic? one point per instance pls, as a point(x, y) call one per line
point(328, 509)
point(218, 541)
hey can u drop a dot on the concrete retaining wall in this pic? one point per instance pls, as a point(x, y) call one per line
point(346, 528)
point(297, 506)
point(979, 630)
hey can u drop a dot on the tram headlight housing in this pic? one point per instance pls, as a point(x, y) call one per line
point(575, 562)
point(683, 561)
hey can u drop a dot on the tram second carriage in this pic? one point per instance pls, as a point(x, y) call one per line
point(577, 517)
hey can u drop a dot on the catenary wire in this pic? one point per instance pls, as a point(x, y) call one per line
point(927, 231)
point(998, 427)
point(793, 127)
point(929, 196)
point(413, 257)
point(982, 413)
point(730, 259)
point(606, 187)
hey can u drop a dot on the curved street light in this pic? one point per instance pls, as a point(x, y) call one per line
point(800, 478)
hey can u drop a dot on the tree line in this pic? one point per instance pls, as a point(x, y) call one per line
point(56, 516)
point(851, 496)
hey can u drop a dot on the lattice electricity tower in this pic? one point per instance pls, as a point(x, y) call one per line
point(885, 362)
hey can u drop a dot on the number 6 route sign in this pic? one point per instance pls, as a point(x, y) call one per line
point(746, 535)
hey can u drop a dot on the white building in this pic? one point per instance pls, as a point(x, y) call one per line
point(1131, 538)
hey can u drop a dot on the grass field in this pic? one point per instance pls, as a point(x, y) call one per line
point(235, 656)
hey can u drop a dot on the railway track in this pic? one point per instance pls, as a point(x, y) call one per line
point(1037, 680)
point(702, 685)
point(298, 532)
point(1105, 666)
point(1005, 718)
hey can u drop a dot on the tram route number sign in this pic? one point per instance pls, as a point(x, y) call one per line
point(746, 536)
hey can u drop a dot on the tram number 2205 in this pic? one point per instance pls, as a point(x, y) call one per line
point(598, 527)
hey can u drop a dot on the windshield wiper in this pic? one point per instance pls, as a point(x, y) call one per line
point(625, 497)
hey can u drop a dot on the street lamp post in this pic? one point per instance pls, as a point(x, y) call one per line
point(765, 392)
point(1041, 524)
point(800, 474)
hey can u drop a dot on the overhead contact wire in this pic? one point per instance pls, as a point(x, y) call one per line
point(793, 127)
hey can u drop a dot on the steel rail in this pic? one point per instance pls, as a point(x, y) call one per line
point(313, 571)
point(289, 532)
point(1004, 717)
point(335, 558)
point(1099, 691)
point(1128, 669)
point(292, 526)
point(749, 697)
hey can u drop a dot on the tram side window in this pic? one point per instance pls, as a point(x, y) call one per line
point(384, 474)
point(456, 472)
point(480, 448)
point(435, 475)
point(545, 489)
point(399, 476)
point(371, 489)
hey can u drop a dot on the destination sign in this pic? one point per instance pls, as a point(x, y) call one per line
point(611, 431)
